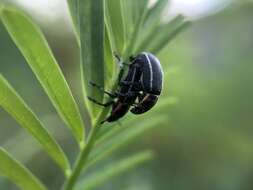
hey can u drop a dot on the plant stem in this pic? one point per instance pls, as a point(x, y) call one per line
point(81, 161)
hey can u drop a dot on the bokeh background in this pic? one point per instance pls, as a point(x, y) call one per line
point(206, 142)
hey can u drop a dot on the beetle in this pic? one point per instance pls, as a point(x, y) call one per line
point(140, 88)
point(126, 94)
point(151, 83)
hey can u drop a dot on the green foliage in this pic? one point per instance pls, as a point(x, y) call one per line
point(14, 104)
point(92, 49)
point(116, 138)
point(74, 11)
point(115, 22)
point(117, 27)
point(116, 168)
point(17, 173)
point(166, 32)
point(31, 42)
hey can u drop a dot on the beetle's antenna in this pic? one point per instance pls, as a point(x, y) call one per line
point(120, 61)
point(112, 95)
point(117, 56)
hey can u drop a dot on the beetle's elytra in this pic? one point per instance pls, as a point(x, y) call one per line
point(139, 90)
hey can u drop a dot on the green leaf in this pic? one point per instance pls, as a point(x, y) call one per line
point(115, 169)
point(17, 173)
point(110, 69)
point(167, 32)
point(139, 7)
point(140, 11)
point(152, 21)
point(17, 108)
point(91, 16)
point(31, 42)
point(73, 10)
point(117, 138)
point(128, 17)
point(154, 14)
point(21, 136)
point(16, 149)
point(115, 20)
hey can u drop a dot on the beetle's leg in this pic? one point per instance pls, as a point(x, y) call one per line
point(102, 89)
point(131, 58)
point(99, 103)
point(121, 64)
point(120, 61)
point(117, 56)
point(121, 73)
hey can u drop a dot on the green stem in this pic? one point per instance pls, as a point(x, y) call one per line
point(82, 159)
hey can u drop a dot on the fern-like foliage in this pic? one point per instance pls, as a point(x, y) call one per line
point(102, 28)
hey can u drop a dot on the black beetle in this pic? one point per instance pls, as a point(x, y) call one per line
point(151, 82)
point(143, 83)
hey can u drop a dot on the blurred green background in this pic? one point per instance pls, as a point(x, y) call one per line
point(206, 141)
